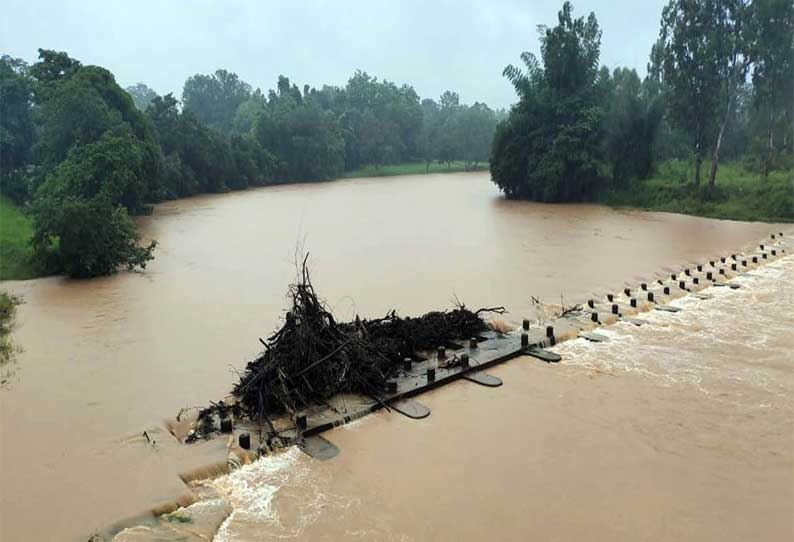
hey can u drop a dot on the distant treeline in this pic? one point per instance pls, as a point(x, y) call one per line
point(82, 152)
point(720, 86)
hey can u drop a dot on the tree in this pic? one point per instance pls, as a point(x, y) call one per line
point(446, 145)
point(74, 115)
point(305, 142)
point(141, 95)
point(473, 129)
point(548, 148)
point(81, 108)
point(633, 113)
point(93, 236)
point(17, 129)
point(381, 122)
point(732, 54)
point(214, 99)
point(52, 68)
point(112, 169)
point(770, 33)
point(80, 215)
point(430, 126)
point(692, 57)
point(245, 116)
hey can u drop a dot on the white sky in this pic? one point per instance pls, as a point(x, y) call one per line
point(433, 45)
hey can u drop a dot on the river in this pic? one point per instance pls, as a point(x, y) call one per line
point(614, 443)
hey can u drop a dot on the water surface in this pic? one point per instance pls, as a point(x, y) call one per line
point(108, 358)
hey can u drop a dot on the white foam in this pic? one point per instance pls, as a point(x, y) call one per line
point(737, 338)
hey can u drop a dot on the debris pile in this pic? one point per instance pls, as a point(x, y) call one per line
point(312, 357)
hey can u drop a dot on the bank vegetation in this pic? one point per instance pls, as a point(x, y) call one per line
point(718, 89)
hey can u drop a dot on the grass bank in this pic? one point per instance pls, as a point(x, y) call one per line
point(16, 253)
point(411, 168)
point(7, 311)
point(739, 194)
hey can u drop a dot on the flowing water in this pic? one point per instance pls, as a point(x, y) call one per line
point(680, 429)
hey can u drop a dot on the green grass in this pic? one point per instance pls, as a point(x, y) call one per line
point(410, 168)
point(16, 253)
point(739, 194)
point(7, 311)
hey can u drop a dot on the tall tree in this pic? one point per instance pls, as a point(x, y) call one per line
point(429, 128)
point(692, 63)
point(770, 30)
point(141, 94)
point(548, 149)
point(51, 68)
point(215, 98)
point(733, 61)
point(633, 113)
point(17, 129)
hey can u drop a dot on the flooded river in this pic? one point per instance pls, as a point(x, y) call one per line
point(681, 429)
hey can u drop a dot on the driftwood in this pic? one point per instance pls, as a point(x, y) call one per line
point(312, 357)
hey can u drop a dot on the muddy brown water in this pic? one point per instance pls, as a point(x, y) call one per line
point(559, 452)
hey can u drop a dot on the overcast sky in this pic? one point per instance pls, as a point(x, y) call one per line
point(433, 45)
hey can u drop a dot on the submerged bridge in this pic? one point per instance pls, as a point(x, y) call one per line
point(429, 370)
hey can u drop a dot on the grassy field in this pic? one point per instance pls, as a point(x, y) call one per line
point(739, 194)
point(410, 168)
point(15, 251)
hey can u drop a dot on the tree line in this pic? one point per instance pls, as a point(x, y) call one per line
point(719, 85)
point(82, 154)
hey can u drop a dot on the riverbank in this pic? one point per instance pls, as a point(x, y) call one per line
point(739, 194)
point(7, 311)
point(413, 168)
point(16, 230)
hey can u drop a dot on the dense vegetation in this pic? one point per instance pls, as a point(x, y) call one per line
point(80, 154)
point(7, 311)
point(719, 86)
point(16, 251)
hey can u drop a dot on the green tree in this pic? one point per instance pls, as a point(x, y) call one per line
point(446, 145)
point(92, 236)
point(141, 95)
point(247, 112)
point(633, 113)
point(548, 149)
point(17, 129)
point(215, 99)
point(770, 33)
point(81, 108)
point(692, 57)
point(52, 68)
point(112, 168)
point(304, 141)
point(473, 128)
point(734, 60)
point(430, 127)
